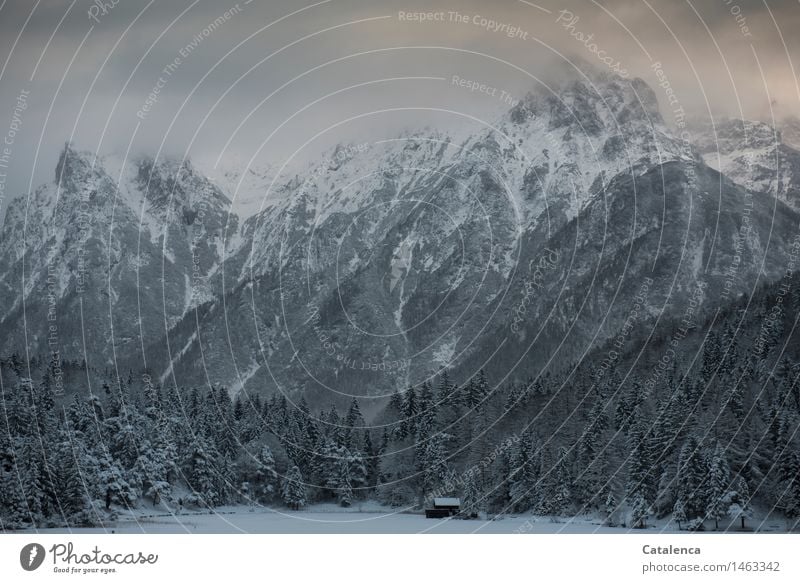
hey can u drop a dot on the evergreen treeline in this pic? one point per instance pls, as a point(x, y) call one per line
point(697, 423)
point(135, 444)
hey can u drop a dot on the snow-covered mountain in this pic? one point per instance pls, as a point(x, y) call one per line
point(421, 249)
point(790, 131)
point(383, 262)
point(249, 187)
point(107, 253)
point(755, 155)
point(404, 250)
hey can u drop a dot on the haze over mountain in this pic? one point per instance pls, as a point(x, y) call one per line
point(522, 245)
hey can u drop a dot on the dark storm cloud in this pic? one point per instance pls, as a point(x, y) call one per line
point(722, 57)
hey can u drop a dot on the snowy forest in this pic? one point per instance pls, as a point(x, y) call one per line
point(708, 436)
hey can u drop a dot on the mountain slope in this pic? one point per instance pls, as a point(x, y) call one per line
point(384, 262)
point(108, 254)
point(755, 156)
point(403, 257)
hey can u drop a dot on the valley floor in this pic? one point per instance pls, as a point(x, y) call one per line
point(360, 519)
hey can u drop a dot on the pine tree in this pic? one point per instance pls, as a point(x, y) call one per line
point(691, 475)
point(641, 490)
point(711, 357)
point(353, 421)
point(153, 467)
point(311, 434)
point(294, 490)
point(152, 400)
point(408, 424)
point(395, 408)
point(434, 462)
point(729, 345)
point(640, 508)
point(358, 472)
point(266, 475)
point(72, 494)
point(444, 389)
point(292, 440)
point(470, 497)
point(611, 507)
point(738, 502)
point(627, 405)
point(113, 486)
point(524, 473)
point(33, 479)
point(717, 486)
point(679, 513)
point(787, 386)
point(427, 412)
point(789, 486)
point(223, 430)
point(734, 401)
point(344, 483)
point(18, 410)
point(590, 446)
point(13, 508)
point(371, 462)
point(14, 513)
point(477, 391)
point(327, 471)
point(562, 495)
point(201, 475)
point(384, 446)
point(238, 409)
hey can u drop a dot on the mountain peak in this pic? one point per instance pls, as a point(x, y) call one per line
point(74, 165)
point(170, 181)
point(590, 104)
point(728, 135)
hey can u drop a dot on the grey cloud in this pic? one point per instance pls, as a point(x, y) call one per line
point(694, 59)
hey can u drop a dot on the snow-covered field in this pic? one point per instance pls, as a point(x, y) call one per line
point(316, 521)
point(364, 519)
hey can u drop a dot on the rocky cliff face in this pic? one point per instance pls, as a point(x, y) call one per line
point(790, 131)
point(108, 255)
point(384, 262)
point(755, 155)
point(388, 261)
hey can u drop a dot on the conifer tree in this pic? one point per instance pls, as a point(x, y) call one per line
point(641, 490)
point(739, 502)
point(427, 412)
point(200, 474)
point(266, 476)
point(562, 495)
point(470, 497)
point(371, 462)
point(717, 486)
point(353, 421)
point(691, 476)
point(679, 513)
point(611, 508)
point(789, 485)
point(294, 491)
point(524, 473)
point(434, 462)
point(408, 423)
point(72, 494)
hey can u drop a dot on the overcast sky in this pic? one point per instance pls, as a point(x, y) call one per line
point(272, 74)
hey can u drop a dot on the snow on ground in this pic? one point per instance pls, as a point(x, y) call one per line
point(267, 521)
point(366, 518)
